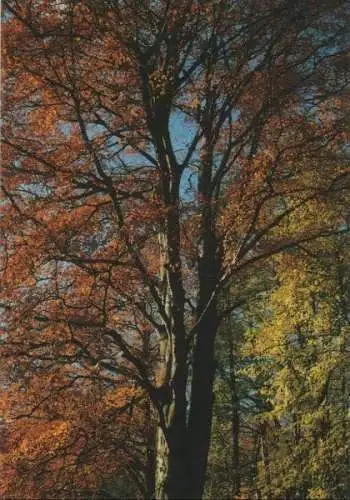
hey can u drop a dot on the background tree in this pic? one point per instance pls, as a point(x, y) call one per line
point(287, 409)
point(120, 233)
point(85, 441)
point(303, 364)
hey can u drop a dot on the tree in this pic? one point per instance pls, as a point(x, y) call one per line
point(232, 457)
point(78, 442)
point(302, 367)
point(282, 384)
point(120, 233)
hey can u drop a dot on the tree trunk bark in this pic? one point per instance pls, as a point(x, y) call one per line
point(235, 425)
point(203, 372)
point(172, 474)
point(200, 419)
point(150, 458)
point(266, 459)
point(150, 472)
point(171, 470)
point(203, 364)
point(183, 444)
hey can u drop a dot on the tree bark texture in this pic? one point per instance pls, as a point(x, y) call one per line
point(235, 425)
point(184, 434)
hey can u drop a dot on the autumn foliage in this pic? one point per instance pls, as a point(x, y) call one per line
point(77, 443)
point(120, 235)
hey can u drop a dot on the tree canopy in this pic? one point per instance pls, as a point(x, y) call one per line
point(164, 164)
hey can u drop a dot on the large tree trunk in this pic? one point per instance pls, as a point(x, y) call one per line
point(150, 472)
point(182, 452)
point(171, 470)
point(200, 418)
point(182, 447)
point(203, 367)
point(183, 443)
